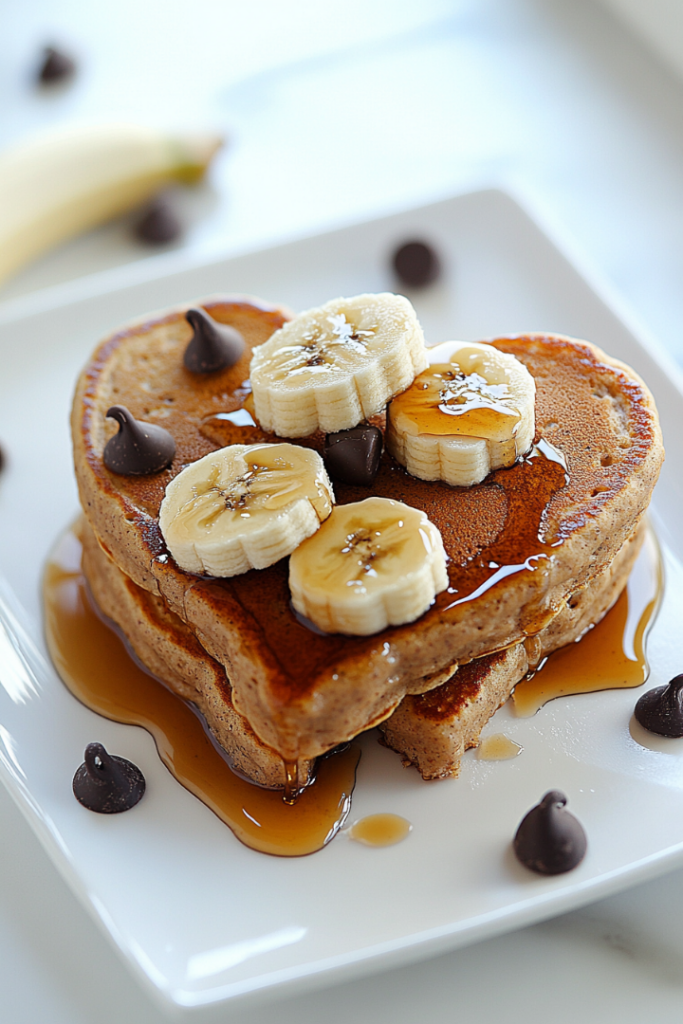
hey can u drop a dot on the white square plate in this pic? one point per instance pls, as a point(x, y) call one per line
point(200, 917)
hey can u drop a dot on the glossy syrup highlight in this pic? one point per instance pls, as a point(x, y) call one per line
point(441, 401)
point(524, 545)
point(95, 665)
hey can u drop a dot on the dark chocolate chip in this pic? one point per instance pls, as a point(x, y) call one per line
point(107, 784)
point(159, 222)
point(661, 710)
point(56, 66)
point(213, 346)
point(352, 456)
point(549, 839)
point(138, 448)
point(416, 264)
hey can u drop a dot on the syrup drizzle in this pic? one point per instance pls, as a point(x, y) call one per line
point(610, 655)
point(291, 793)
point(96, 666)
point(529, 486)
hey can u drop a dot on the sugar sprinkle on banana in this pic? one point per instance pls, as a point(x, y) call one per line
point(336, 365)
point(470, 412)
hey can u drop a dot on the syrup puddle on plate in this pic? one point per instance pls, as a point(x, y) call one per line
point(498, 747)
point(95, 665)
point(380, 830)
point(611, 655)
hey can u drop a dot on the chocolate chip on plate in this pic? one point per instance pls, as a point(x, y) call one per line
point(138, 448)
point(213, 346)
point(352, 456)
point(56, 66)
point(416, 264)
point(107, 784)
point(159, 223)
point(661, 710)
point(549, 839)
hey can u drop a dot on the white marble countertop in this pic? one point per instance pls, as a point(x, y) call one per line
point(337, 112)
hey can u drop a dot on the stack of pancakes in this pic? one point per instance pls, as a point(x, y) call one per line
point(537, 554)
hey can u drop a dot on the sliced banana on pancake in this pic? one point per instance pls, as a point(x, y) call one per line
point(244, 507)
point(372, 564)
point(470, 412)
point(336, 365)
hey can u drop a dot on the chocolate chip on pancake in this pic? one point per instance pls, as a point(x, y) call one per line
point(138, 448)
point(549, 839)
point(107, 784)
point(661, 710)
point(213, 346)
point(352, 456)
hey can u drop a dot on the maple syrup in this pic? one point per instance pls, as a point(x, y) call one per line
point(453, 397)
point(611, 655)
point(523, 545)
point(98, 669)
point(498, 747)
point(380, 830)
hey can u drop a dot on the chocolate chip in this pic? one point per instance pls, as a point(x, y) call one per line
point(352, 456)
point(416, 264)
point(549, 839)
point(138, 448)
point(213, 346)
point(107, 784)
point(661, 710)
point(3, 460)
point(56, 66)
point(159, 222)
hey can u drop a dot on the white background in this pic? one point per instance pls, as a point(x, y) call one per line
point(336, 112)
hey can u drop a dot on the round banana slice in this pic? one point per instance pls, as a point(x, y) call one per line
point(244, 507)
point(471, 412)
point(333, 366)
point(372, 564)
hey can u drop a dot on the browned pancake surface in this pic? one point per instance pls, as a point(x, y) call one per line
point(170, 652)
point(535, 531)
point(432, 730)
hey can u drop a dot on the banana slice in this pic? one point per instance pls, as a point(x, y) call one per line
point(244, 507)
point(338, 364)
point(471, 412)
point(373, 564)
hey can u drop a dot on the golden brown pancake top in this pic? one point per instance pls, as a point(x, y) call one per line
point(536, 530)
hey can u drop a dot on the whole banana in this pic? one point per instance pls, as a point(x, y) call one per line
point(59, 184)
